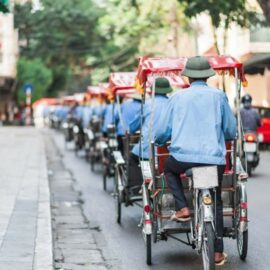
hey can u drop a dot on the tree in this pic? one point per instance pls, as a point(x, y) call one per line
point(265, 6)
point(131, 28)
point(4, 6)
point(222, 13)
point(36, 73)
point(62, 34)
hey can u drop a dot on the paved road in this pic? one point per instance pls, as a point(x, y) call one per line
point(123, 246)
point(74, 245)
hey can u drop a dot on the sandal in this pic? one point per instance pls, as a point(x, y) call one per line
point(223, 261)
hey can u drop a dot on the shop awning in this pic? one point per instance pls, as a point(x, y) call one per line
point(257, 63)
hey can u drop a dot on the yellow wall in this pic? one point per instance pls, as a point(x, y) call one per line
point(259, 88)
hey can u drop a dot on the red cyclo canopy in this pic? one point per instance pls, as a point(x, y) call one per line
point(98, 90)
point(122, 81)
point(172, 67)
point(46, 102)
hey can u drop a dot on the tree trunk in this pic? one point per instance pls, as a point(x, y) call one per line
point(215, 40)
point(265, 5)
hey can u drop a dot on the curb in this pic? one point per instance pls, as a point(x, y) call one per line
point(43, 259)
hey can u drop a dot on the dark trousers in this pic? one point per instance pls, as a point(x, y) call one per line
point(120, 144)
point(135, 178)
point(173, 169)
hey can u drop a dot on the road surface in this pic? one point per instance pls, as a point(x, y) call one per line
point(123, 246)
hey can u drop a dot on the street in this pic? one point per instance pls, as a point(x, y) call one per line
point(123, 246)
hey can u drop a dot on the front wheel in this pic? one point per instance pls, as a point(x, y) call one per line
point(104, 181)
point(118, 201)
point(208, 252)
point(242, 244)
point(148, 244)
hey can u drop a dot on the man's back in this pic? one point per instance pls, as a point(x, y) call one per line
point(198, 121)
point(250, 119)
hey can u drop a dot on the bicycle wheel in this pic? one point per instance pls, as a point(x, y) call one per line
point(241, 233)
point(117, 195)
point(105, 179)
point(208, 253)
point(148, 244)
point(242, 244)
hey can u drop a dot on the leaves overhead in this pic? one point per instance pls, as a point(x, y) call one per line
point(265, 6)
point(62, 34)
point(219, 10)
point(36, 73)
point(82, 42)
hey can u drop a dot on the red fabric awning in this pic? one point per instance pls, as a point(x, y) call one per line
point(121, 81)
point(100, 90)
point(172, 67)
point(46, 101)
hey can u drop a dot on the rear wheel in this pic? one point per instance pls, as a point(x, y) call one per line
point(148, 249)
point(208, 253)
point(249, 169)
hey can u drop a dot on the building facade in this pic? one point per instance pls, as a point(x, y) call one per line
point(8, 62)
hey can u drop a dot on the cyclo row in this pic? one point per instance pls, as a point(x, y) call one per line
point(134, 154)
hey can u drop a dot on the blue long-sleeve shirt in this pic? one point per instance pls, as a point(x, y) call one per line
point(159, 103)
point(99, 110)
point(108, 117)
point(86, 117)
point(128, 112)
point(197, 120)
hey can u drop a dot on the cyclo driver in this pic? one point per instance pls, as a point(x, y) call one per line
point(197, 120)
point(162, 88)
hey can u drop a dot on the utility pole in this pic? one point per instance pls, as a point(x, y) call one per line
point(175, 28)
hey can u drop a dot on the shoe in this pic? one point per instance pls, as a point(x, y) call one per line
point(220, 258)
point(182, 215)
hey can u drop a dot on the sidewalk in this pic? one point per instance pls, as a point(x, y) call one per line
point(25, 218)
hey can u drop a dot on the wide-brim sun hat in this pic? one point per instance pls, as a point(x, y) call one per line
point(162, 86)
point(198, 67)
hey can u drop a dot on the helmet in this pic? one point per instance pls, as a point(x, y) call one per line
point(247, 98)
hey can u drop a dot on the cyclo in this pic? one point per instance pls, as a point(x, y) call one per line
point(78, 132)
point(122, 86)
point(120, 81)
point(69, 122)
point(158, 202)
point(93, 134)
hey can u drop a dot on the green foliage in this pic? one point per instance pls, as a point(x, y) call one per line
point(130, 28)
point(36, 73)
point(62, 34)
point(219, 10)
point(265, 6)
point(82, 43)
point(4, 6)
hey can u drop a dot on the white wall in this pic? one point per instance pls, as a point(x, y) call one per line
point(8, 47)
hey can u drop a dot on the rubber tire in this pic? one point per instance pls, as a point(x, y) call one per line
point(243, 253)
point(148, 246)
point(105, 180)
point(92, 163)
point(118, 209)
point(210, 245)
point(249, 169)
